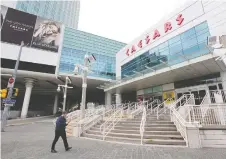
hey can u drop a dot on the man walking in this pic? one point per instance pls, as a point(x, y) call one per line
point(60, 132)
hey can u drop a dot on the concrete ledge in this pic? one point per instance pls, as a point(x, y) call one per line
point(213, 127)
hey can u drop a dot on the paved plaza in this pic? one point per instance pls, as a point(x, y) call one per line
point(32, 141)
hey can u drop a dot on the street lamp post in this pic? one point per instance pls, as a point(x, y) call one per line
point(6, 108)
point(84, 86)
point(85, 69)
point(64, 87)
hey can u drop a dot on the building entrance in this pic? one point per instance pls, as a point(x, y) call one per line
point(153, 96)
point(200, 91)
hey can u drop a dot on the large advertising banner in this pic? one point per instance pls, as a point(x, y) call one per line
point(34, 31)
point(18, 26)
point(46, 35)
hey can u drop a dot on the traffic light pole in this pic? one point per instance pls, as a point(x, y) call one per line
point(6, 108)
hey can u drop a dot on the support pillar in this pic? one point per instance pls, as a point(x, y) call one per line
point(118, 99)
point(29, 83)
point(55, 106)
point(108, 98)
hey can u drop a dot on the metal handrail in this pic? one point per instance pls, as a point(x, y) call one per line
point(216, 115)
point(180, 123)
point(84, 127)
point(164, 107)
point(153, 103)
point(179, 120)
point(142, 124)
point(110, 123)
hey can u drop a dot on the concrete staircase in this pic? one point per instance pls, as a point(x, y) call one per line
point(157, 132)
point(72, 124)
point(69, 129)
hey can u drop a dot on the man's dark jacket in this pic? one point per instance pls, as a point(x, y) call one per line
point(61, 123)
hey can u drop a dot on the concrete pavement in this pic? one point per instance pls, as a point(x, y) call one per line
point(14, 122)
point(33, 141)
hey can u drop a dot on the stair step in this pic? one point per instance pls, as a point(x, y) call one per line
point(117, 139)
point(137, 124)
point(150, 132)
point(117, 127)
point(147, 132)
point(69, 134)
point(151, 119)
point(126, 135)
point(151, 122)
point(138, 141)
point(146, 125)
point(165, 142)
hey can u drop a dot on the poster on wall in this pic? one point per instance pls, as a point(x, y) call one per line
point(3, 14)
point(46, 35)
point(17, 26)
point(170, 95)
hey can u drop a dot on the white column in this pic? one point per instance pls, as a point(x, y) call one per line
point(118, 99)
point(223, 78)
point(29, 83)
point(55, 106)
point(107, 98)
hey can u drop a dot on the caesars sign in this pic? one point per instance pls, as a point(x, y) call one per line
point(36, 32)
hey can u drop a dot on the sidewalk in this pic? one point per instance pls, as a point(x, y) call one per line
point(15, 122)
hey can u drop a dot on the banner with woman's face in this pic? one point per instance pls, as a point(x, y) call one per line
point(46, 35)
point(34, 31)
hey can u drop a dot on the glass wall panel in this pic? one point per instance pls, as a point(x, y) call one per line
point(188, 45)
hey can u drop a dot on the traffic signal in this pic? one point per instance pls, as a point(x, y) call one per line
point(4, 93)
point(15, 92)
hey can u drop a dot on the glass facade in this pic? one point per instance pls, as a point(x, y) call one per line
point(66, 12)
point(185, 46)
point(77, 43)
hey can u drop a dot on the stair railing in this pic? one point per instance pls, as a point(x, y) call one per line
point(215, 114)
point(142, 124)
point(153, 104)
point(159, 110)
point(179, 119)
point(97, 116)
point(179, 122)
point(110, 123)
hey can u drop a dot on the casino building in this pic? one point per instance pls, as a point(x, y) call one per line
point(172, 58)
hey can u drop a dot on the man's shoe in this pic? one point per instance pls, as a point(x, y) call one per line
point(53, 151)
point(67, 149)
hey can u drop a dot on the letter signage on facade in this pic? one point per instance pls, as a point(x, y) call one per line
point(156, 34)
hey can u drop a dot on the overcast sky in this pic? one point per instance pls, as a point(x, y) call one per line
point(123, 20)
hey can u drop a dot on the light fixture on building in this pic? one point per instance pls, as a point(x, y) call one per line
point(58, 89)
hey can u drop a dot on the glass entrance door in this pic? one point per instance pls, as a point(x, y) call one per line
point(216, 88)
point(199, 93)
